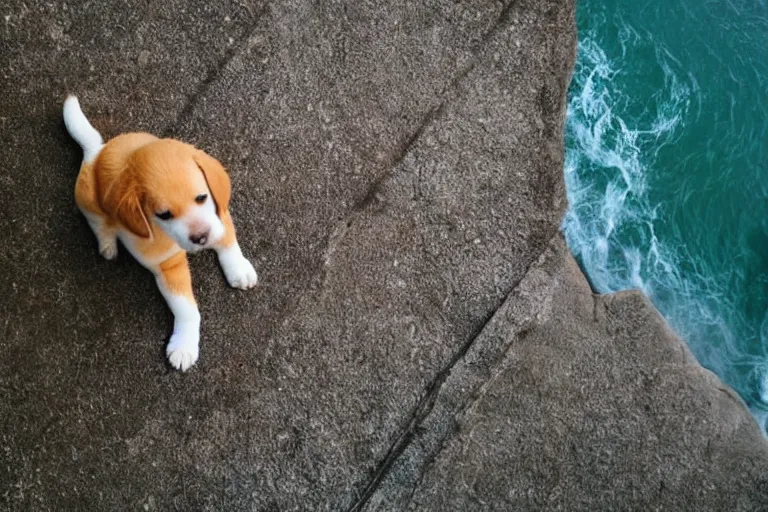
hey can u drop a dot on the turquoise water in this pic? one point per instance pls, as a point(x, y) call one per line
point(667, 171)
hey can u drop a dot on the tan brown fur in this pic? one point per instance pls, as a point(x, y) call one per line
point(176, 276)
point(155, 196)
point(136, 174)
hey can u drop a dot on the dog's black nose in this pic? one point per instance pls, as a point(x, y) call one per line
point(199, 238)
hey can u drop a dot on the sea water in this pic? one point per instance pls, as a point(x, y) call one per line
point(667, 171)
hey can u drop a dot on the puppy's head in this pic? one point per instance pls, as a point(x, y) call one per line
point(174, 187)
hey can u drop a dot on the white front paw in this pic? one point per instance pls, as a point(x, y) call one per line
point(183, 350)
point(240, 274)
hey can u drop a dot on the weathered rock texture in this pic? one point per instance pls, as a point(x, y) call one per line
point(421, 338)
point(570, 401)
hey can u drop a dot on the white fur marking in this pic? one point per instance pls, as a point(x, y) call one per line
point(184, 346)
point(203, 214)
point(238, 270)
point(81, 129)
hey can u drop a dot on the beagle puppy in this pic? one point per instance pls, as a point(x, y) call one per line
point(161, 198)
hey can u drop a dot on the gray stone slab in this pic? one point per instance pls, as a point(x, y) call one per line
point(571, 401)
point(323, 114)
point(398, 173)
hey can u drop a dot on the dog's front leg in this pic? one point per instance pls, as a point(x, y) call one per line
point(237, 269)
point(175, 283)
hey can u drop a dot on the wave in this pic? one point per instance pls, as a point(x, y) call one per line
point(613, 226)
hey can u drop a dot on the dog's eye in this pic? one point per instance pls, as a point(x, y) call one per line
point(164, 215)
point(201, 198)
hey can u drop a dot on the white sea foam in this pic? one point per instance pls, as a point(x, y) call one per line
point(611, 222)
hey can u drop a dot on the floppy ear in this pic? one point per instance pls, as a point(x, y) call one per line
point(124, 202)
point(217, 178)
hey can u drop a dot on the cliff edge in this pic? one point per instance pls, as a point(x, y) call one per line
point(421, 338)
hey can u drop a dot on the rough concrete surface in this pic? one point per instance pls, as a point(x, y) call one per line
point(420, 337)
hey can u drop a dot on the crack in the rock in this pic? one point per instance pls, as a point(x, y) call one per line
point(372, 192)
point(201, 89)
point(420, 413)
point(426, 404)
point(213, 74)
point(476, 394)
point(399, 155)
point(434, 113)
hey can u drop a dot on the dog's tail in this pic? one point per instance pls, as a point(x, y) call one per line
point(81, 130)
